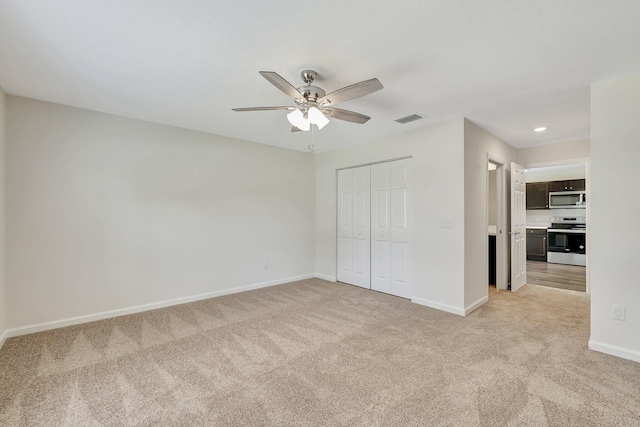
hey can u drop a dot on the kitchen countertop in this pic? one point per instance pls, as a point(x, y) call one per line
point(541, 227)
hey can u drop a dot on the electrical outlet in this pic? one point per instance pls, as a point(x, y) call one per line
point(265, 264)
point(618, 312)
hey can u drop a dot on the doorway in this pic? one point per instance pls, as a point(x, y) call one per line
point(497, 223)
point(543, 273)
point(557, 226)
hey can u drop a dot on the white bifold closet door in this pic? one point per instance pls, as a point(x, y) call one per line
point(381, 227)
point(354, 226)
point(390, 246)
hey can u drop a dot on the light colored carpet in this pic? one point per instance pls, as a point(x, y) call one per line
point(318, 353)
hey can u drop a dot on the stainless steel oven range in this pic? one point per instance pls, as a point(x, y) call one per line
point(567, 241)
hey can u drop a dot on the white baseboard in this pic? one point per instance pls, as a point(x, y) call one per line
point(475, 305)
point(439, 306)
point(325, 277)
point(614, 350)
point(39, 327)
point(3, 338)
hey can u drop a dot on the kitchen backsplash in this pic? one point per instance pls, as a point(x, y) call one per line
point(542, 218)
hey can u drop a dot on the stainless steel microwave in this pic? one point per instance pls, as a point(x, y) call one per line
point(567, 200)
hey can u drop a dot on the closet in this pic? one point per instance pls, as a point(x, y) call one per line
point(374, 227)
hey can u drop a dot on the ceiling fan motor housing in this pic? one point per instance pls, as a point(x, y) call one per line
point(311, 93)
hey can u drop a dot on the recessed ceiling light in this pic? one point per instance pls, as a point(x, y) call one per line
point(540, 129)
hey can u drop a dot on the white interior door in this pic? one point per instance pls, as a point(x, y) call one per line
point(362, 227)
point(354, 242)
point(345, 226)
point(518, 228)
point(381, 227)
point(401, 228)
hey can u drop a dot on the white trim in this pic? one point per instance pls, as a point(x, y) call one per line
point(376, 162)
point(476, 304)
point(39, 327)
point(558, 162)
point(439, 306)
point(614, 350)
point(3, 338)
point(325, 277)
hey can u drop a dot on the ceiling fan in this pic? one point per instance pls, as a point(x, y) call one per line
point(313, 105)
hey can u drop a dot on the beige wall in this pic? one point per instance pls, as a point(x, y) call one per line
point(615, 142)
point(559, 153)
point(478, 144)
point(106, 213)
point(3, 301)
point(438, 193)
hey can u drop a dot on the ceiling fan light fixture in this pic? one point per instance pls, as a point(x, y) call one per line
point(297, 119)
point(304, 126)
point(317, 117)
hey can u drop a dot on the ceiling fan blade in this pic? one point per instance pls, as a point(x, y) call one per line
point(349, 116)
point(263, 108)
point(353, 91)
point(286, 87)
point(295, 129)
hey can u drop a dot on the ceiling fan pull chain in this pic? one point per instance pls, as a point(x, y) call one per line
point(311, 147)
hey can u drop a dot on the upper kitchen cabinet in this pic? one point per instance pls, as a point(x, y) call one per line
point(538, 195)
point(569, 185)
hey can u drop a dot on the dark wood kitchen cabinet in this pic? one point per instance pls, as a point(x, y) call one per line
point(537, 195)
point(569, 185)
point(537, 244)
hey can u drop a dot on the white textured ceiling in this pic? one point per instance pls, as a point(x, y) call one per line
point(509, 66)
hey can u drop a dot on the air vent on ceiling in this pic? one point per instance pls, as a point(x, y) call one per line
point(409, 119)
